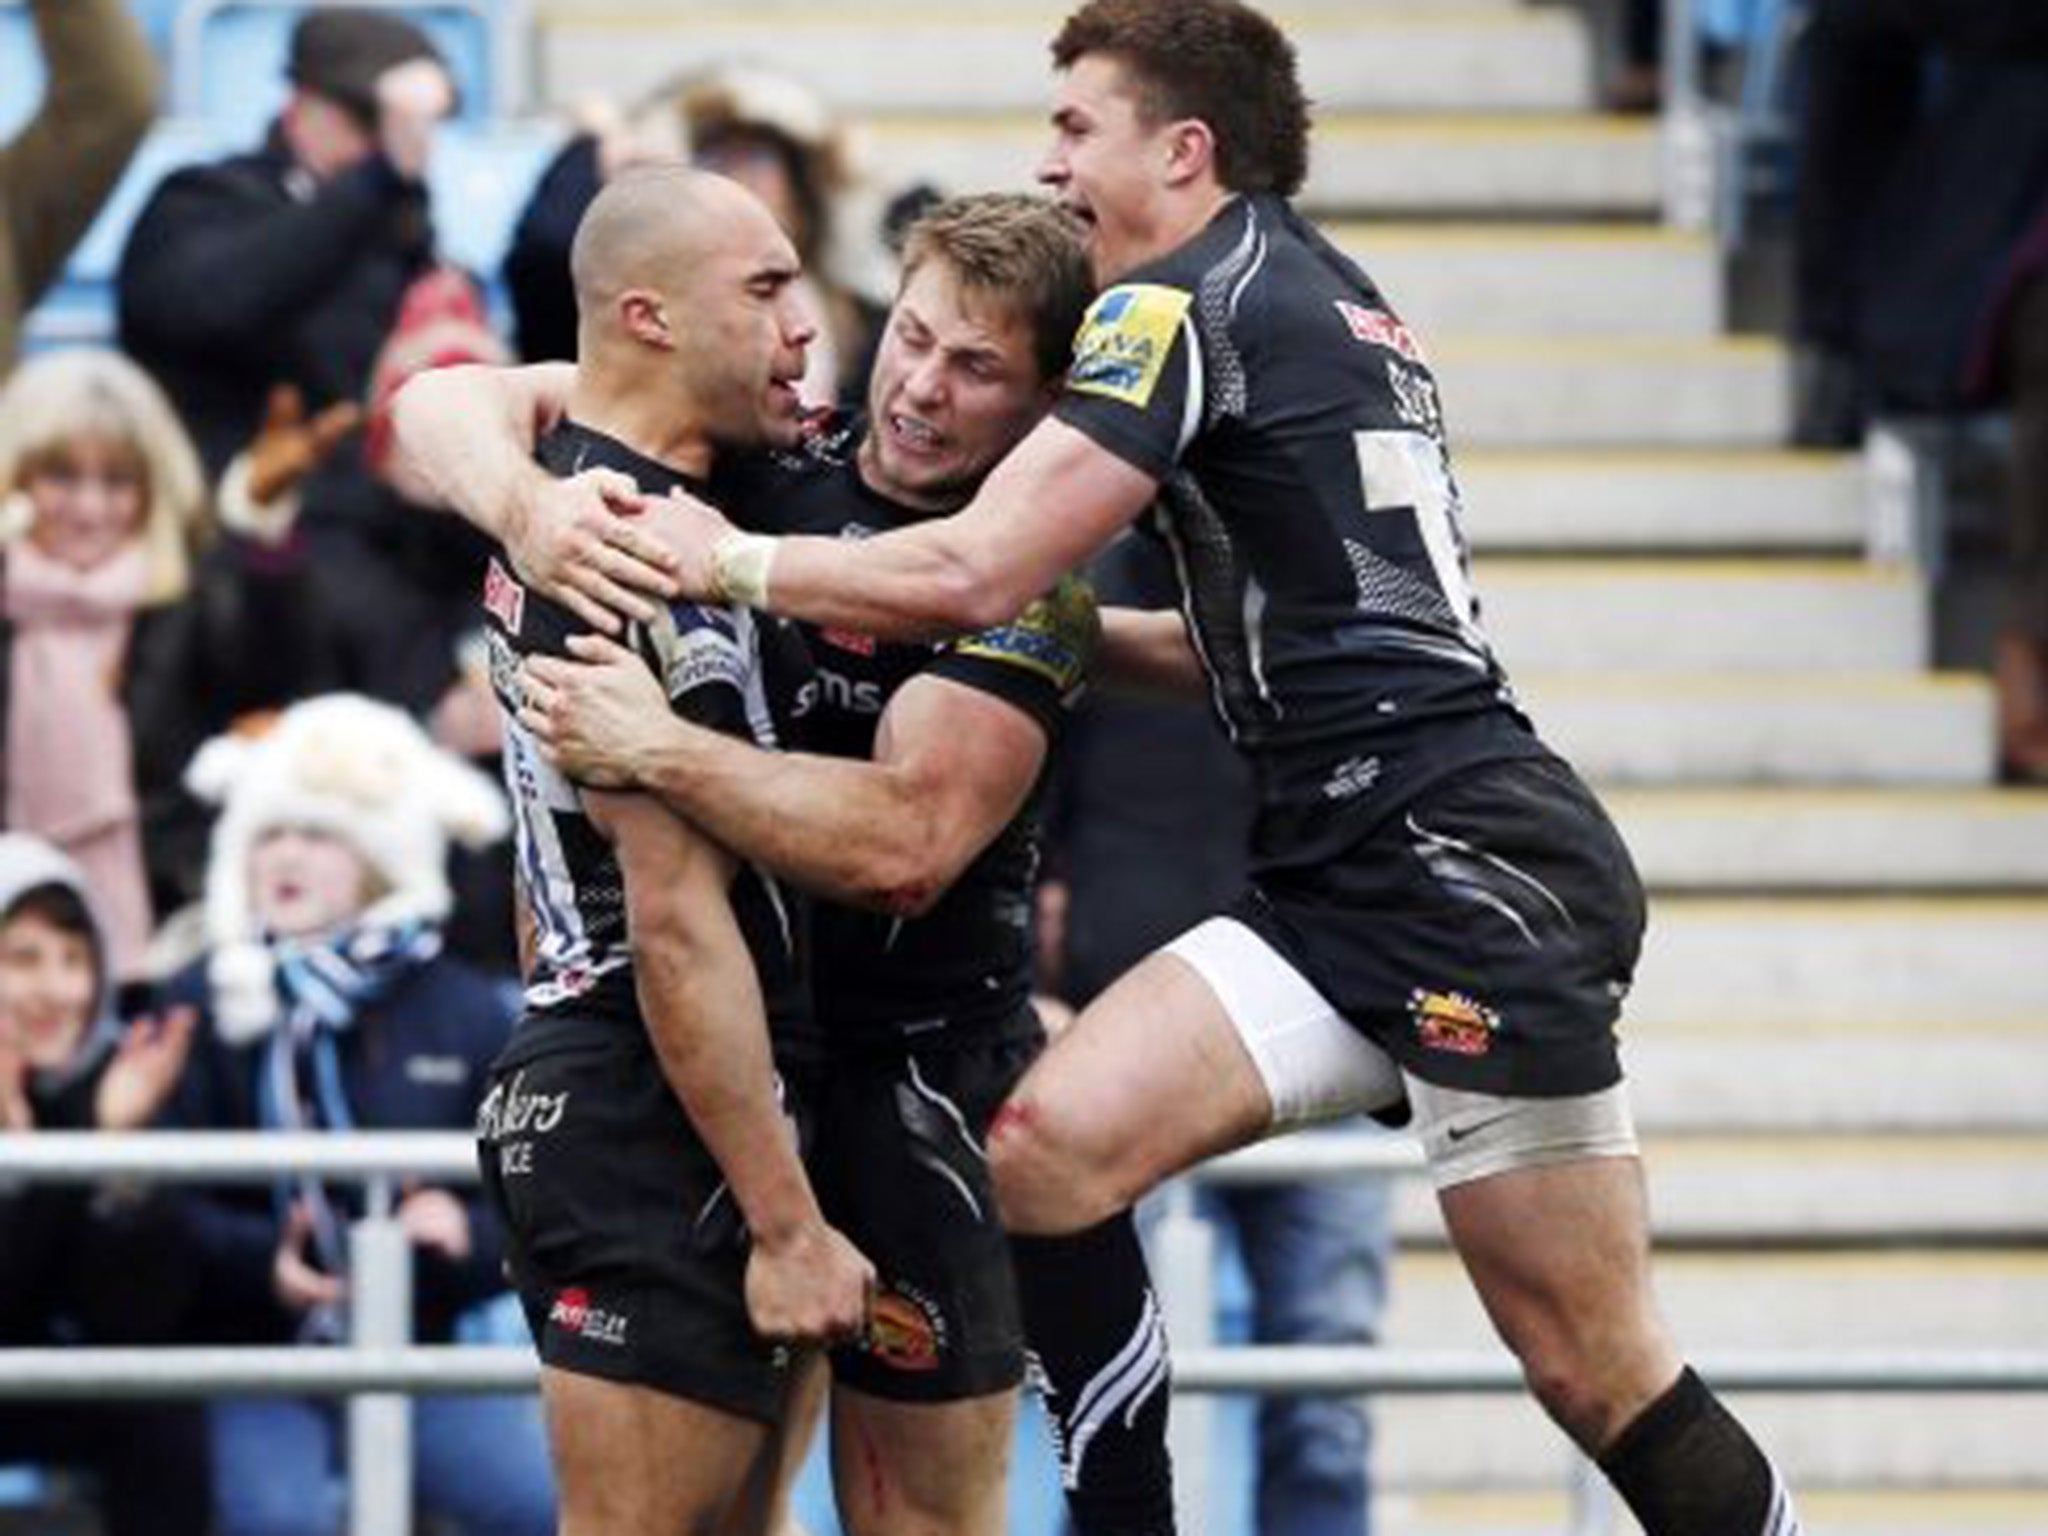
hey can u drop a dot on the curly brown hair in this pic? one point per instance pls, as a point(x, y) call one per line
point(1019, 249)
point(1216, 60)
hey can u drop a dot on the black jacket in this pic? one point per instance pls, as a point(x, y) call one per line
point(415, 1061)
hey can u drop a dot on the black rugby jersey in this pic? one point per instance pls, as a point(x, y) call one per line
point(967, 962)
point(727, 668)
point(1307, 496)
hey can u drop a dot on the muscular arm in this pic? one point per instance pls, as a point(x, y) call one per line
point(464, 439)
point(952, 766)
point(702, 1001)
point(1054, 501)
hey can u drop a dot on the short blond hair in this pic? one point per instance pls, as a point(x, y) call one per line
point(1020, 249)
point(56, 398)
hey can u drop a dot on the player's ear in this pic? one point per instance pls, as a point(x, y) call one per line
point(644, 317)
point(1190, 151)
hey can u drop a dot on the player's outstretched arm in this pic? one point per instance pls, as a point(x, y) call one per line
point(702, 1000)
point(952, 766)
point(1054, 501)
point(465, 439)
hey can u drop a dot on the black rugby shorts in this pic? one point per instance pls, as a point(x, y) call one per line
point(899, 1164)
point(1484, 935)
point(623, 1241)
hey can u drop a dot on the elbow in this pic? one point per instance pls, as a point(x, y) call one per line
point(975, 595)
point(908, 876)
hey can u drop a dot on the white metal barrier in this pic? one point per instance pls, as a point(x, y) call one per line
point(380, 1369)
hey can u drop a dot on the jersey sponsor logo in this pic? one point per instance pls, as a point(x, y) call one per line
point(509, 1110)
point(574, 1313)
point(504, 597)
point(1054, 637)
point(1453, 1022)
point(699, 657)
point(1352, 778)
point(906, 1330)
point(1378, 328)
point(848, 640)
point(1125, 341)
point(841, 692)
point(1415, 398)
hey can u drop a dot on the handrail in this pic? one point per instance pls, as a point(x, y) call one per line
point(1306, 1369)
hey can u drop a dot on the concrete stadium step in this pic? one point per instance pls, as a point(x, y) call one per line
point(1636, 502)
point(1816, 728)
point(1752, 1190)
point(1720, 616)
point(1438, 166)
point(1952, 1073)
point(1817, 960)
point(1836, 839)
point(1542, 280)
point(1613, 392)
point(864, 58)
point(1400, 1511)
point(1731, 1303)
point(1893, 1442)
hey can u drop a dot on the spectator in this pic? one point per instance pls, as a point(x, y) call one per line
point(1135, 776)
point(329, 1005)
point(128, 634)
point(2012, 366)
point(299, 264)
point(1924, 145)
point(105, 1266)
point(765, 131)
point(56, 172)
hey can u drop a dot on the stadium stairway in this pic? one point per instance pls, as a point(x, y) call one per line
point(1839, 1036)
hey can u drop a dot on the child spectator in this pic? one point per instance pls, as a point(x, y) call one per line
point(330, 1005)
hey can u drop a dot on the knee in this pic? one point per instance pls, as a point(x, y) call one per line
point(1047, 1180)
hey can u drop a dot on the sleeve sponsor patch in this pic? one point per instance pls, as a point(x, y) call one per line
point(1125, 341)
point(699, 651)
point(1054, 638)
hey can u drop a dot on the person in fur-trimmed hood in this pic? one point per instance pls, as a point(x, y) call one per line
point(84, 1265)
point(329, 1004)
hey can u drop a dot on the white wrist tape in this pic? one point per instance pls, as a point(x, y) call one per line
point(740, 563)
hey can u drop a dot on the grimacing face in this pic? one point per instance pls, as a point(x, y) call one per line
point(743, 327)
point(955, 387)
point(49, 982)
point(1107, 167)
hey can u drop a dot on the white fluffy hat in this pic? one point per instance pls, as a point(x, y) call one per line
point(359, 770)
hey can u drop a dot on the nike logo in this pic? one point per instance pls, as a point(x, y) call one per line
point(1457, 1133)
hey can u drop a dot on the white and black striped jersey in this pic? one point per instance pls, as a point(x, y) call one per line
point(723, 667)
point(1306, 493)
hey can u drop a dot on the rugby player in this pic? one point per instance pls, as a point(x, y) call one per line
point(1441, 914)
point(661, 1232)
point(920, 824)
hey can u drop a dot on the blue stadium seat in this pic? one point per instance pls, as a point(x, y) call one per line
point(482, 176)
point(21, 68)
point(228, 57)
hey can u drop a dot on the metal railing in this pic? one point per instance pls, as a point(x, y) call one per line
point(379, 1370)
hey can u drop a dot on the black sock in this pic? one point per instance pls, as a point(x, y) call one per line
point(1098, 1353)
point(1685, 1467)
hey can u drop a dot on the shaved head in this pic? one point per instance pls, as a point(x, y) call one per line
point(687, 297)
point(652, 227)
